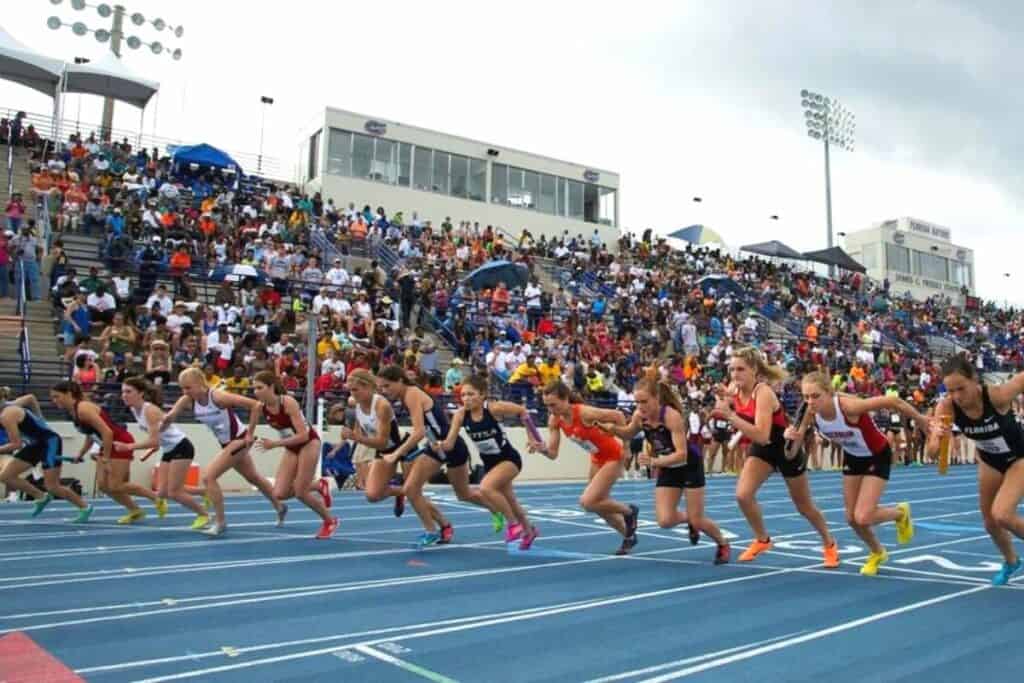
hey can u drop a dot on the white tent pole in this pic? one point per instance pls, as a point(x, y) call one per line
point(142, 122)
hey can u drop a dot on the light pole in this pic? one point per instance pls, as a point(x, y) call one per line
point(832, 123)
point(78, 114)
point(115, 35)
point(265, 101)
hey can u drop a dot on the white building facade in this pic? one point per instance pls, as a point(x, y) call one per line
point(350, 157)
point(915, 256)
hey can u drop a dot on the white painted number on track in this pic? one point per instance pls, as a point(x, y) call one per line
point(393, 648)
point(349, 656)
point(948, 564)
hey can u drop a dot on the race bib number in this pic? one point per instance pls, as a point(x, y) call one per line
point(285, 433)
point(587, 446)
point(994, 445)
point(488, 447)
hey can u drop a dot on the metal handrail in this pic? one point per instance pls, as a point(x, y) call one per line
point(44, 126)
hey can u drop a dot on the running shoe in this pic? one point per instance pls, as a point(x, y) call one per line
point(694, 535)
point(161, 507)
point(831, 553)
point(134, 516)
point(722, 554)
point(631, 521)
point(528, 537)
point(628, 543)
point(281, 514)
point(904, 525)
point(200, 522)
point(83, 515)
point(497, 521)
point(755, 549)
point(513, 533)
point(399, 505)
point(41, 505)
point(447, 534)
point(328, 528)
point(216, 530)
point(1002, 577)
point(428, 538)
point(324, 489)
point(870, 567)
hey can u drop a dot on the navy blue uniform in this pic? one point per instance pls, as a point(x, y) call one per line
point(688, 475)
point(437, 424)
point(490, 440)
point(997, 436)
point(42, 444)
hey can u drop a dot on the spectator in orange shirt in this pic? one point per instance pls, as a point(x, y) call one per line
point(180, 261)
point(500, 299)
point(811, 332)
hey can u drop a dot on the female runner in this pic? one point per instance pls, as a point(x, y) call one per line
point(428, 421)
point(216, 409)
point(144, 400)
point(985, 416)
point(756, 412)
point(113, 467)
point(32, 442)
point(577, 421)
point(867, 458)
point(502, 463)
point(296, 471)
point(660, 415)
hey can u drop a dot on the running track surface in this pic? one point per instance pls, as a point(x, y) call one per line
point(157, 602)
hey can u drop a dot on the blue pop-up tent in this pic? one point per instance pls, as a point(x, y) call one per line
point(205, 155)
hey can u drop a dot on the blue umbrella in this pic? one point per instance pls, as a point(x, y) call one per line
point(236, 273)
point(490, 274)
point(721, 283)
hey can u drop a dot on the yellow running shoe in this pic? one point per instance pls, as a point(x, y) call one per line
point(133, 516)
point(904, 525)
point(870, 567)
point(200, 522)
point(161, 507)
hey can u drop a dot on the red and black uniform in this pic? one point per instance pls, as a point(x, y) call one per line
point(121, 433)
point(773, 452)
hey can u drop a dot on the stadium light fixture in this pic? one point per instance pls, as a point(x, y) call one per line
point(829, 121)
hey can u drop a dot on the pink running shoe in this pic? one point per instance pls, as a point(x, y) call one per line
point(528, 538)
point(513, 533)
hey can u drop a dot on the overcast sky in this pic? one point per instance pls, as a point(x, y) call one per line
point(682, 99)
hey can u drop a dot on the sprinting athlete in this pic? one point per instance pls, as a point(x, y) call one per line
point(867, 458)
point(480, 419)
point(301, 443)
point(985, 416)
point(30, 442)
point(144, 399)
point(216, 409)
point(114, 466)
point(755, 411)
point(577, 421)
point(660, 415)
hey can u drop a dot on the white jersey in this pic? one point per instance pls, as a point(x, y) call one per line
point(860, 440)
point(368, 423)
point(169, 438)
point(222, 421)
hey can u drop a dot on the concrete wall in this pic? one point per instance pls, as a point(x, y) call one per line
point(572, 462)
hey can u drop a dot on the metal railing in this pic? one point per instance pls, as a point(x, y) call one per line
point(43, 124)
point(10, 167)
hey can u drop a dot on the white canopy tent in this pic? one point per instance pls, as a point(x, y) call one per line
point(109, 77)
point(21, 65)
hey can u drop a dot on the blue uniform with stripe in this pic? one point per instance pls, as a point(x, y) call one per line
point(42, 445)
point(436, 422)
point(490, 440)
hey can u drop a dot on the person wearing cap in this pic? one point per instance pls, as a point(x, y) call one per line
point(454, 376)
point(28, 251)
point(337, 276)
point(163, 299)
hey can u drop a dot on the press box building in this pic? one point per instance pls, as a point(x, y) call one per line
point(350, 157)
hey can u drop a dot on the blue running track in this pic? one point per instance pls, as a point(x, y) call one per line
point(157, 602)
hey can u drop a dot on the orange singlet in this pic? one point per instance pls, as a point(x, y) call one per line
point(602, 447)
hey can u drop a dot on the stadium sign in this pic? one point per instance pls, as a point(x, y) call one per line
point(375, 127)
point(591, 176)
point(929, 229)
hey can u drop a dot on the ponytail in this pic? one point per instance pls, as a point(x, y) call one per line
point(667, 395)
point(150, 392)
point(5, 393)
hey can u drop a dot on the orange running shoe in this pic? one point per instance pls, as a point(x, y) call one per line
point(831, 553)
point(755, 549)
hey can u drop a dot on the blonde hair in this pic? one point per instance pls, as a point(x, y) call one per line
point(819, 379)
point(192, 374)
point(762, 368)
point(364, 377)
point(5, 393)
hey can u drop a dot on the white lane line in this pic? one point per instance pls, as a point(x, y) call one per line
point(813, 635)
point(420, 671)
